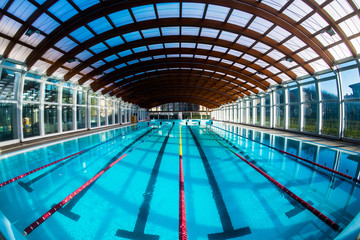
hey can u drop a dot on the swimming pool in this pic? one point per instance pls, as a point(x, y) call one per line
point(138, 197)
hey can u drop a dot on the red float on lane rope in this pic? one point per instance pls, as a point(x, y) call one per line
point(182, 208)
point(38, 169)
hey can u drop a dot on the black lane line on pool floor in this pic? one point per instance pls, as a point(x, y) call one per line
point(229, 231)
point(67, 209)
point(139, 229)
point(26, 185)
point(298, 208)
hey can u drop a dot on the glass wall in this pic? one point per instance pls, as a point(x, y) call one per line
point(50, 119)
point(327, 104)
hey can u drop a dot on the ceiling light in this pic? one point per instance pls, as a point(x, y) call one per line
point(287, 59)
point(72, 60)
point(31, 31)
point(329, 31)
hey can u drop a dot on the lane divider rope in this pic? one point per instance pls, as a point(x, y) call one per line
point(298, 157)
point(62, 159)
point(54, 209)
point(313, 210)
point(182, 208)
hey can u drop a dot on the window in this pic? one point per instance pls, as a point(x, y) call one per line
point(81, 97)
point(7, 84)
point(330, 118)
point(7, 121)
point(352, 119)
point(102, 112)
point(30, 120)
point(67, 121)
point(80, 117)
point(51, 93)
point(310, 119)
point(31, 91)
point(50, 119)
point(67, 95)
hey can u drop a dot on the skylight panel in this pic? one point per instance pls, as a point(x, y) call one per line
point(299, 72)
point(340, 51)
point(84, 4)
point(120, 66)
point(22, 9)
point(284, 77)
point(125, 53)
point(121, 18)
point(98, 64)
point(9, 26)
point(111, 58)
point(260, 25)
point(3, 3)
point(45, 23)
point(40, 66)
point(351, 26)
point(86, 70)
point(159, 56)
point(248, 57)
point(234, 53)
point(168, 10)
point(152, 32)
point(145, 59)
point(245, 41)
point(227, 61)
point(217, 13)
point(308, 54)
point(249, 69)
point(82, 34)
point(294, 44)
point(63, 10)
point(172, 45)
point(140, 49)
point(192, 10)
point(132, 36)
point(326, 39)
point(319, 65)
point(261, 63)
point(190, 31)
point(173, 55)
point(208, 32)
point(338, 9)
point(115, 41)
point(143, 13)
point(220, 49)
point(156, 46)
point(170, 31)
point(261, 47)
point(204, 46)
point(276, 4)
point(273, 70)
point(200, 56)
point(275, 54)
point(297, 10)
point(3, 44)
point(66, 44)
point(98, 48)
point(52, 55)
point(239, 18)
point(71, 65)
point(187, 55)
point(60, 72)
point(84, 55)
point(228, 36)
point(132, 62)
point(100, 25)
point(216, 59)
point(278, 34)
point(288, 64)
point(314, 23)
point(355, 42)
point(188, 45)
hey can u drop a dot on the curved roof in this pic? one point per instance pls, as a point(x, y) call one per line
point(152, 52)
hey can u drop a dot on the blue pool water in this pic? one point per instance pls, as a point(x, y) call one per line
point(138, 198)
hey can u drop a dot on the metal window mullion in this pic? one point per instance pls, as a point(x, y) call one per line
point(301, 108)
point(318, 107)
point(42, 108)
point(286, 108)
point(341, 104)
point(59, 108)
point(19, 81)
point(74, 115)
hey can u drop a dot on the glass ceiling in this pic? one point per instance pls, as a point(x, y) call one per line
point(265, 43)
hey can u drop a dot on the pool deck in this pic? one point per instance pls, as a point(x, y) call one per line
point(45, 140)
point(349, 146)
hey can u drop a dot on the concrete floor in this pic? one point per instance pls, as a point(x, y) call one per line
point(355, 147)
point(33, 143)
